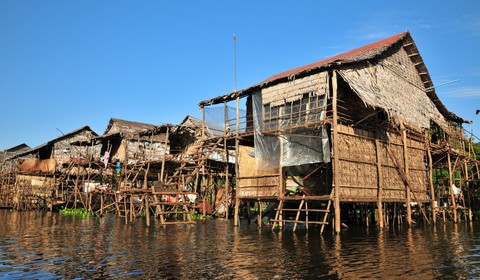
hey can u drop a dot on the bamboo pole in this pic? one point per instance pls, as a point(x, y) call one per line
point(432, 187)
point(379, 182)
point(467, 189)
point(450, 182)
point(227, 186)
point(408, 198)
point(237, 166)
point(336, 159)
point(298, 213)
point(147, 209)
point(281, 183)
point(162, 170)
point(145, 177)
point(236, 213)
point(259, 214)
point(101, 203)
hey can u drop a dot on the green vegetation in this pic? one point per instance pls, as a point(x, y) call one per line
point(200, 216)
point(77, 212)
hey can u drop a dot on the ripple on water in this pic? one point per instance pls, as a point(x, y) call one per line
point(51, 247)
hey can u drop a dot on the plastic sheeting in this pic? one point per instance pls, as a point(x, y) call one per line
point(299, 146)
point(217, 119)
point(305, 147)
point(267, 147)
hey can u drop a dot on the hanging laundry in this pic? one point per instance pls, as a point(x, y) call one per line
point(106, 157)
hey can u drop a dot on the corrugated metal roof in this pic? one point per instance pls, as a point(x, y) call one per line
point(362, 53)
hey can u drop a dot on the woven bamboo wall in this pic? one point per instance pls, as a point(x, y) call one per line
point(255, 187)
point(358, 171)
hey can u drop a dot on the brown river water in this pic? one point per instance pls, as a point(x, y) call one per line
point(44, 245)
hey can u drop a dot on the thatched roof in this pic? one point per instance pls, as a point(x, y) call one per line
point(192, 122)
point(362, 54)
point(51, 142)
point(18, 149)
point(14, 151)
point(124, 127)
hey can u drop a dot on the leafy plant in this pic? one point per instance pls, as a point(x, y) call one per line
point(77, 212)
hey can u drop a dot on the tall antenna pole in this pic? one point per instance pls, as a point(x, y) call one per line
point(235, 60)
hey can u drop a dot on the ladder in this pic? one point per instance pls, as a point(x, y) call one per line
point(323, 207)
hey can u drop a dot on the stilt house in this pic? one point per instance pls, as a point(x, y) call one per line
point(122, 142)
point(38, 169)
point(351, 128)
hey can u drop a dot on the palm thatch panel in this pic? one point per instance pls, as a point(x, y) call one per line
point(405, 103)
point(294, 90)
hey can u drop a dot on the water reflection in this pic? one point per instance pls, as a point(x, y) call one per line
point(42, 245)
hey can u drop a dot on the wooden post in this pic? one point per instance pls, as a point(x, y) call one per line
point(125, 207)
point(432, 187)
point(259, 215)
point(101, 204)
point(336, 159)
point(467, 189)
point(281, 184)
point(162, 170)
point(203, 123)
point(236, 213)
point(227, 187)
point(408, 198)
point(380, 182)
point(237, 166)
point(147, 209)
point(145, 177)
point(131, 207)
point(450, 183)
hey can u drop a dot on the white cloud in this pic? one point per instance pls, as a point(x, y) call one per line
point(463, 92)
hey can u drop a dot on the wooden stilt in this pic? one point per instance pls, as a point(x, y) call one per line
point(450, 182)
point(432, 187)
point(101, 204)
point(336, 159)
point(146, 197)
point(236, 213)
point(408, 199)
point(298, 214)
point(259, 214)
point(379, 183)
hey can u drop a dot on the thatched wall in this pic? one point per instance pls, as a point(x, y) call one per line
point(252, 182)
point(70, 147)
point(35, 185)
point(143, 149)
point(358, 170)
point(381, 87)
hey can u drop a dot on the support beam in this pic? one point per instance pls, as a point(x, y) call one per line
point(336, 159)
point(236, 213)
point(379, 182)
point(450, 183)
point(432, 187)
point(467, 189)
point(237, 165)
point(408, 198)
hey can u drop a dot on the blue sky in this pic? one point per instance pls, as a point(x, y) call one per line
point(66, 64)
